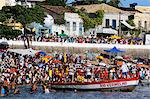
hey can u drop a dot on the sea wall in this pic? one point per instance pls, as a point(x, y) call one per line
point(136, 50)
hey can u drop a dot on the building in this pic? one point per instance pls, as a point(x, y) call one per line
point(2, 3)
point(7, 3)
point(142, 20)
point(28, 3)
point(63, 20)
point(112, 15)
point(74, 24)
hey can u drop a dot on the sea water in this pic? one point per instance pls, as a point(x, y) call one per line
point(138, 93)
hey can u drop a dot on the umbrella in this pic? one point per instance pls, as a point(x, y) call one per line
point(42, 53)
point(56, 61)
point(114, 50)
point(137, 39)
point(45, 59)
point(99, 57)
point(63, 35)
point(142, 65)
point(49, 57)
point(115, 37)
point(4, 45)
point(118, 57)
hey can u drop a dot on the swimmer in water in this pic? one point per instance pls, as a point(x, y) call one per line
point(34, 88)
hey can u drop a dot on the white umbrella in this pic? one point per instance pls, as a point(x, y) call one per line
point(102, 64)
point(23, 51)
point(118, 57)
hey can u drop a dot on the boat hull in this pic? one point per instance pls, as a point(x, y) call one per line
point(111, 85)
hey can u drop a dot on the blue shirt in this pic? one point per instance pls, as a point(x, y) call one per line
point(3, 91)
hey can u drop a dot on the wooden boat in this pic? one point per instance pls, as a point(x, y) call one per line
point(107, 85)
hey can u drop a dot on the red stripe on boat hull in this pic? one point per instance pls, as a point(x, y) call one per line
point(121, 84)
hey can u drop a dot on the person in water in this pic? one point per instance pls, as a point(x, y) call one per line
point(34, 88)
point(45, 88)
point(6, 86)
point(16, 91)
point(3, 91)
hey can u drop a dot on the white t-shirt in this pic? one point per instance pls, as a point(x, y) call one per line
point(124, 68)
point(88, 71)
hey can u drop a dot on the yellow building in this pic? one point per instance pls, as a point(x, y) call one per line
point(15, 26)
point(142, 20)
point(2, 3)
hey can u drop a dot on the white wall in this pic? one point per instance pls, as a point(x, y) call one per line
point(58, 28)
point(115, 16)
point(69, 17)
point(78, 45)
point(2, 3)
point(11, 2)
point(142, 17)
point(73, 17)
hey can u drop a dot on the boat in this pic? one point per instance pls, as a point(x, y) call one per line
point(128, 84)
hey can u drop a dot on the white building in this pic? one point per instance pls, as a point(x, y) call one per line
point(2, 3)
point(112, 16)
point(112, 19)
point(73, 26)
point(29, 3)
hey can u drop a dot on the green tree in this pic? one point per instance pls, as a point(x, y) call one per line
point(92, 1)
point(92, 22)
point(56, 2)
point(8, 32)
point(23, 15)
point(114, 3)
point(131, 22)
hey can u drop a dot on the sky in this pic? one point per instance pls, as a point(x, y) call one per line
point(126, 3)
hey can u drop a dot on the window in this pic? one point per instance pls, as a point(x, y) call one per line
point(145, 25)
point(114, 24)
point(74, 26)
point(107, 22)
point(139, 24)
point(68, 25)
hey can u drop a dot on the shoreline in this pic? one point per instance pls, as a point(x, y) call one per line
point(134, 50)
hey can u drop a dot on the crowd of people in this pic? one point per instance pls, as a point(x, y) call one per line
point(17, 70)
point(82, 39)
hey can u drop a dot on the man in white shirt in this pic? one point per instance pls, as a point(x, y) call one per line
point(125, 70)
